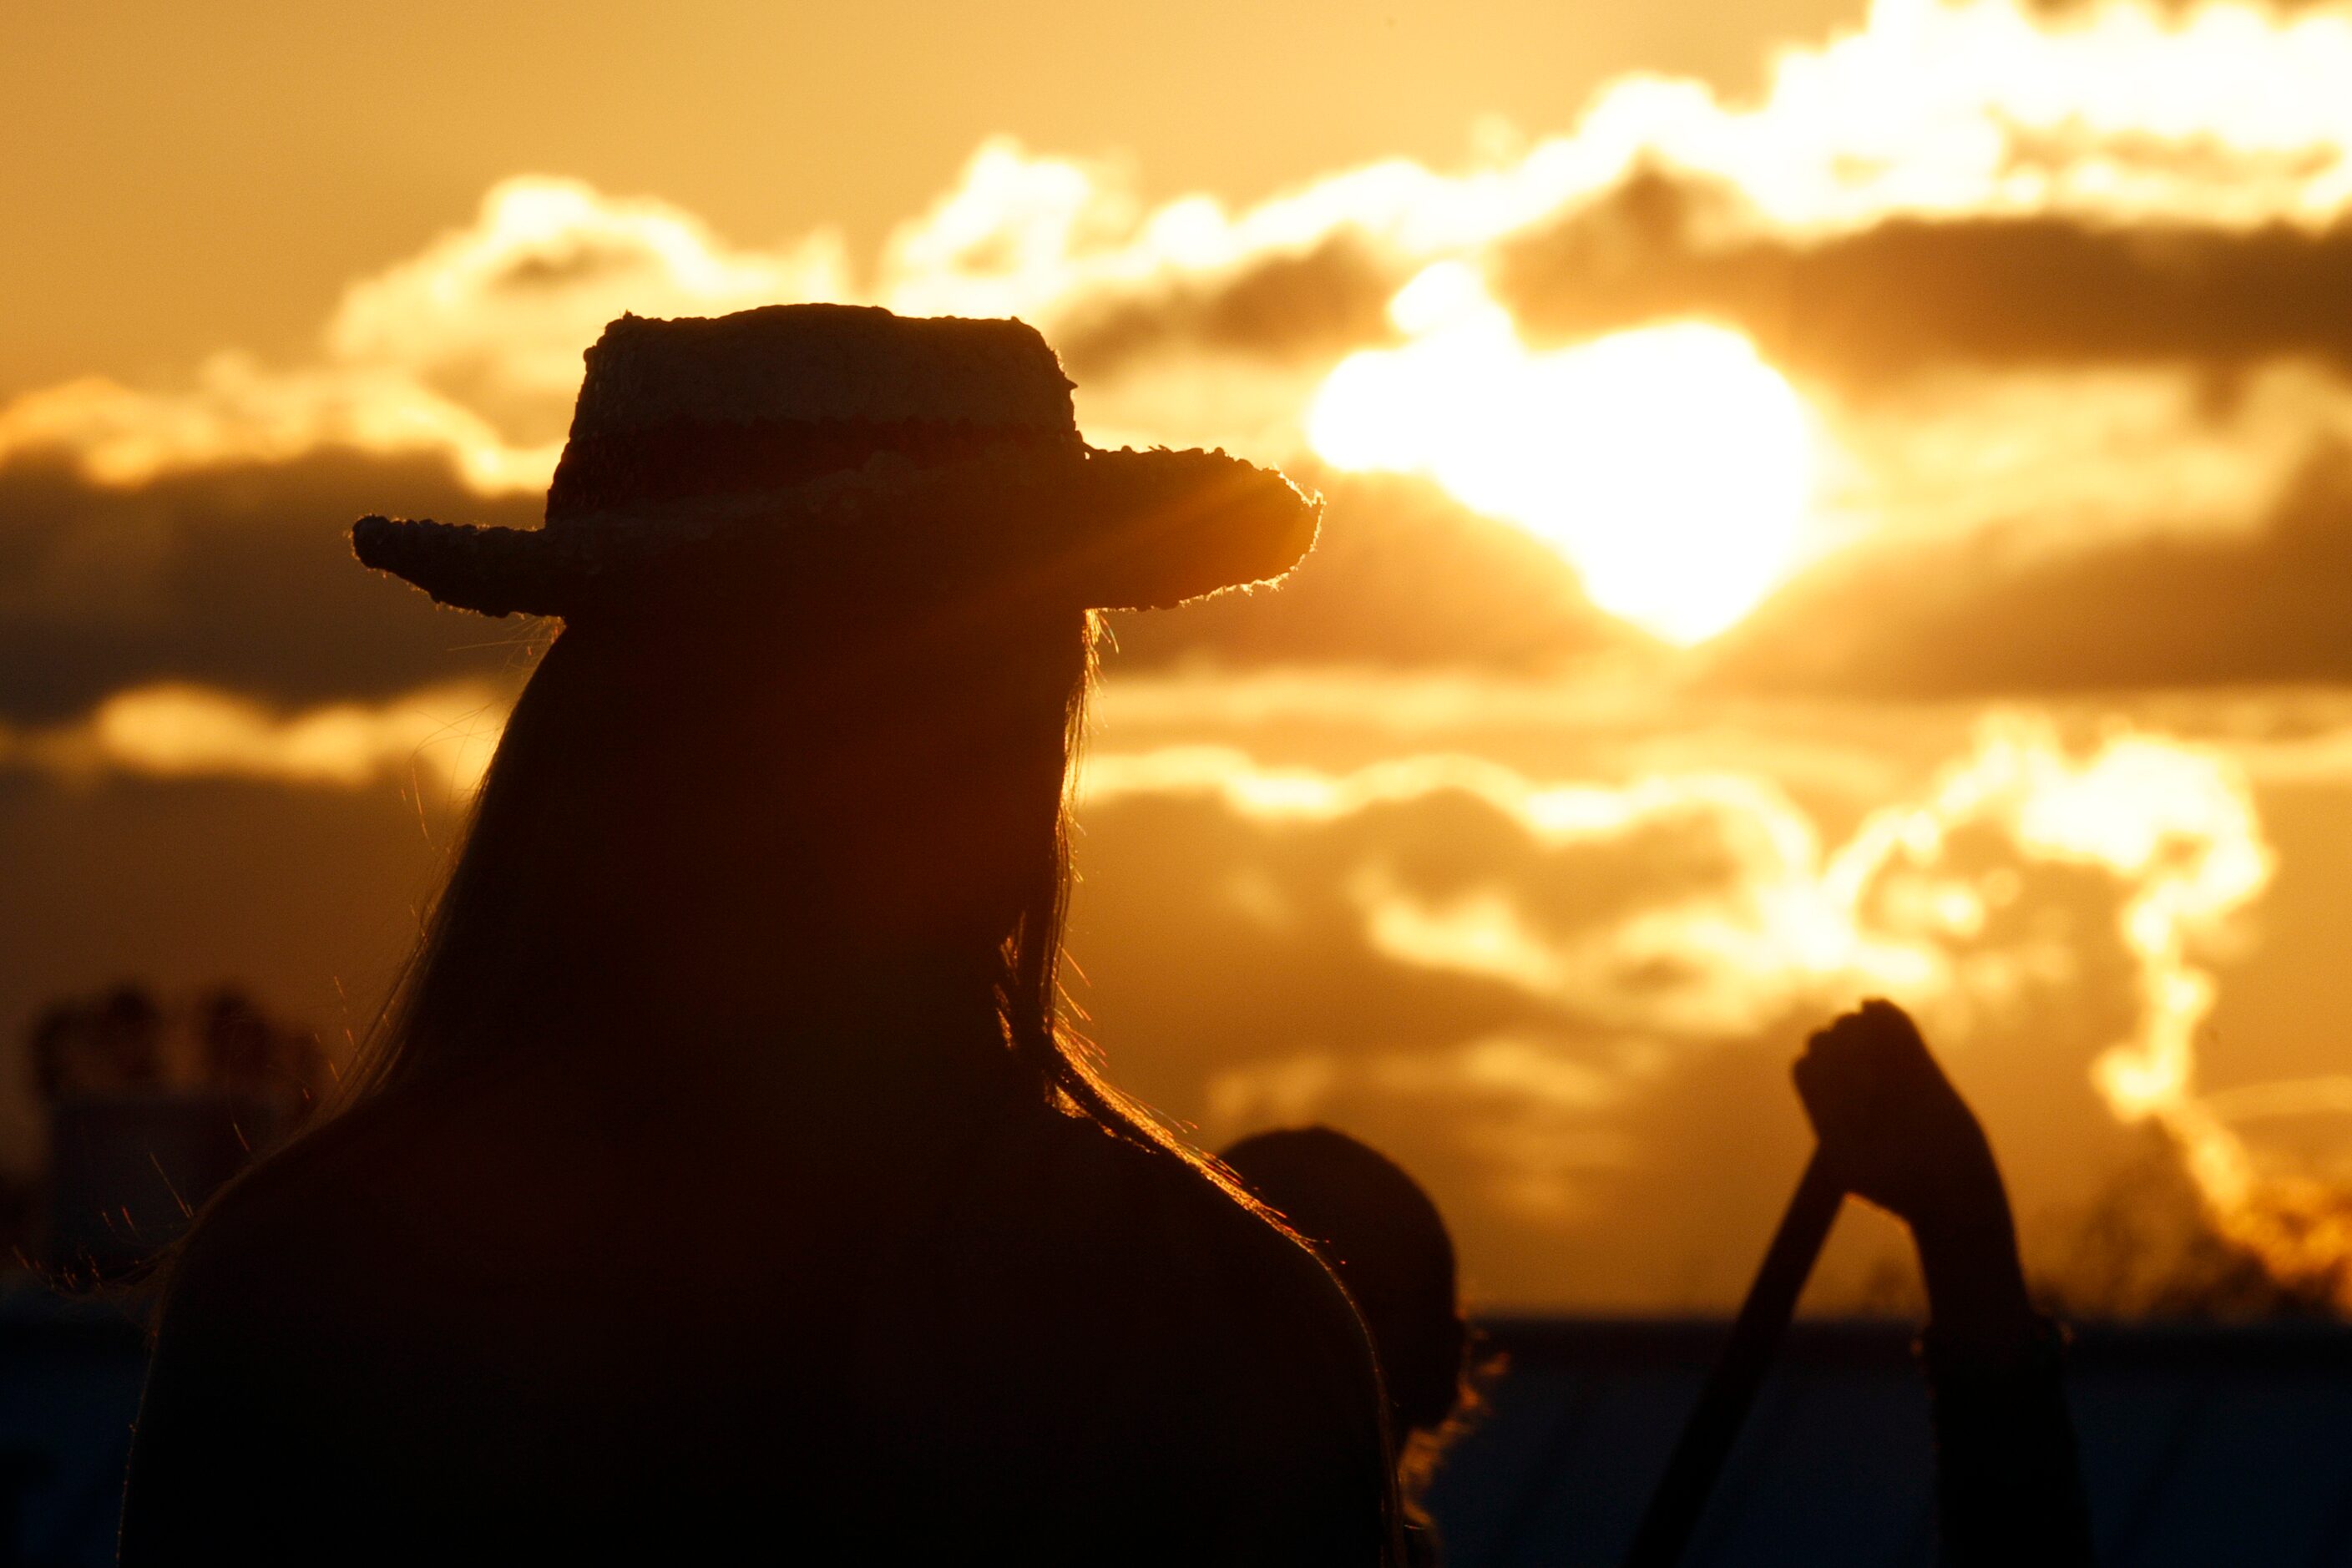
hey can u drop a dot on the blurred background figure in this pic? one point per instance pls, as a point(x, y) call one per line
point(98, 1045)
point(2008, 1482)
point(151, 1109)
point(1382, 1235)
point(244, 1051)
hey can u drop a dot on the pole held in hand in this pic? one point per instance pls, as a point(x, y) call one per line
point(1723, 1404)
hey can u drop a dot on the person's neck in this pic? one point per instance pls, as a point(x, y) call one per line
point(809, 1032)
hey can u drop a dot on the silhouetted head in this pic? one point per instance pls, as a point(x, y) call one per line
point(1384, 1238)
point(798, 758)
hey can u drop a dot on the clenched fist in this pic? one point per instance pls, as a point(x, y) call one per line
point(1890, 1123)
point(1894, 1131)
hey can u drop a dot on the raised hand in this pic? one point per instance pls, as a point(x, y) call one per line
point(1899, 1134)
point(1890, 1123)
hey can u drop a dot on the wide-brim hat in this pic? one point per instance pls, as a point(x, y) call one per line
point(843, 448)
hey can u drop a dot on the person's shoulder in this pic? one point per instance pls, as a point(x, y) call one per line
point(1177, 1205)
point(1175, 1196)
point(257, 1401)
point(1246, 1308)
point(272, 1245)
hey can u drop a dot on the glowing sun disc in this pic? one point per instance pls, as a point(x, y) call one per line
point(1670, 465)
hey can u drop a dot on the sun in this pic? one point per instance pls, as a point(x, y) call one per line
point(1671, 465)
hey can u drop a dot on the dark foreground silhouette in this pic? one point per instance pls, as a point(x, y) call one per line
point(1386, 1241)
point(720, 1184)
point(720, 1181)
point(1894, 1132)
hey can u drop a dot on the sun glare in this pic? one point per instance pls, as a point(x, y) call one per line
point(1670, 465)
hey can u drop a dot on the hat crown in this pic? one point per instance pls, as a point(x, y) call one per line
point(696, 408)
point(796, 363)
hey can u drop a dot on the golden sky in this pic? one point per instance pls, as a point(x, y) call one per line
point(1822, 502)
point(181, 179)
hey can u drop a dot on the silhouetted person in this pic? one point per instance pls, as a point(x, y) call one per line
point(2008, 1487)
point(243, 1051)
point(2008, 1484)
point(719, 1184)
point(1379, 1231)
point(240, 1047)
point(103, 1046)
point(148, 1114)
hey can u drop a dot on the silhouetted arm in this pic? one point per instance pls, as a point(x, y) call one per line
point(2008, 1487)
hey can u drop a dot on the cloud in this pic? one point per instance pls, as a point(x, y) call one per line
point(1690, 906)
point(1940, 153)
point(1551, 944)
point(1582, 945)
point(238, 413)
point(170, 732)
point(241, 578)
point(468, 351)
point(1995, 612)
point(237, 577)
point(2225, 118)
point(2053, 291)
point(2223, 115)
point(1909, 294)
point(2057, 293)
point(2047, 463)
point(1930, 142)
point(1314, 305)
point(2030, 272)
point(495, 315)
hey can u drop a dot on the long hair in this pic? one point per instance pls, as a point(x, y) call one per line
point(650, 751)
point(860, 821)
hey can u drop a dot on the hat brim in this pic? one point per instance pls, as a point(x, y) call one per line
point(1094, 530)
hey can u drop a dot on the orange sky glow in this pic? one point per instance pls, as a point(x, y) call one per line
point(1846, 506)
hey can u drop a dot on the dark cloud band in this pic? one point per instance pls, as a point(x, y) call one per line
point(239, 577)
point(1319, 303)
point(2271, 604)
point(1908, 295)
